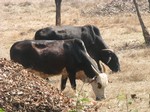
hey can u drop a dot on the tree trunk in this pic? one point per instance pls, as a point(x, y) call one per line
point(58, 12)
point(144, 29)
point(149, 4)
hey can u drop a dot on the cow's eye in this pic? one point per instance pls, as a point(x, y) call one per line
point(99, 85)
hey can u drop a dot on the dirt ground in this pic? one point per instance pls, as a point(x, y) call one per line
point(128, 90)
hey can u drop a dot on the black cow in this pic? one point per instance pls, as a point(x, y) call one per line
point(52, 57)
point(90, 35)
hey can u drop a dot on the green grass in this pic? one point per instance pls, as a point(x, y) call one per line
point(2, 110)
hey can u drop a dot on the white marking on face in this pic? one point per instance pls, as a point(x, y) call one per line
point(99, 86)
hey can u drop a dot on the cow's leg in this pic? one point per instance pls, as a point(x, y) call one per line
point(72, 80)
point(63, 82)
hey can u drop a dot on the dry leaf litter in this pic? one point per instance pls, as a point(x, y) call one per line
point(23, 91)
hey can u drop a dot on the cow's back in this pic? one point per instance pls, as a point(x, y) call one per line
point(51, 56)
point(44, 56)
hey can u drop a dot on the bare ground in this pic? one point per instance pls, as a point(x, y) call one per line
point(120, 29)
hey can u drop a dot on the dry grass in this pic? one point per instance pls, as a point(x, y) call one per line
point(20, 19)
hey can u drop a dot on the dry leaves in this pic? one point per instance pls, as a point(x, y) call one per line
point(23, 91)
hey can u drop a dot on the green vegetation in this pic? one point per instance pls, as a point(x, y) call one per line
point(2, 110)
point(81, 100)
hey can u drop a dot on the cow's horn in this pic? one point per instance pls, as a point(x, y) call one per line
point(102, 66)
point(108, 60)
point(95, 70)
point(107, 50)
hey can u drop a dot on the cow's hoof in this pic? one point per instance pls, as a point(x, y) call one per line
point(100, 98)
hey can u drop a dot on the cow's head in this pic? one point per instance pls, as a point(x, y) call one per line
point(99, 83)
point(99, 80)
point(110, 59)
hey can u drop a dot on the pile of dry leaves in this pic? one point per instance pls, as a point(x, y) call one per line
point(23, 91)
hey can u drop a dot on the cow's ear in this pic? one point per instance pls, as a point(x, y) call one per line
point(79, 44)
point(90, 32)
point(96, 30)
point(94, 33)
